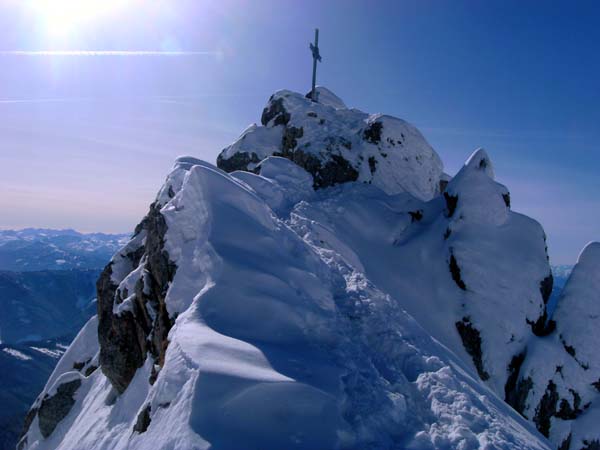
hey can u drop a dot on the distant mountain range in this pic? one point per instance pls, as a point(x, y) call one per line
point(45, 304)
point(47, 292)
point(43, 249)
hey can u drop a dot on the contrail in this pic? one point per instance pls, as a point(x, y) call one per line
point(107, 53)
point(41, 100)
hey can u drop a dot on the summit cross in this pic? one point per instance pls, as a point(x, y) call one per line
point(316, 58)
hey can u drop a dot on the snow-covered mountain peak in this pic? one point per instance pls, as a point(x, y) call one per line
point(338, 145)
point(321, 289)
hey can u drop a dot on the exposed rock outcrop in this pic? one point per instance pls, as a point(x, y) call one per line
point(143, 420)
point(55, 408)
point(472, 341)
point(338, 145)
point(133, 319)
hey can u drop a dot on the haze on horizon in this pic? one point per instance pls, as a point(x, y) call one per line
point(86, 139)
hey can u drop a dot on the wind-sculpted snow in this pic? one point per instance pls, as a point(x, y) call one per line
point(336, 145)
point(278, 342)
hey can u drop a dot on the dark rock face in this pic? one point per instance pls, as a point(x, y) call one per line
point(569, 349)
point(455, 272)
point(591, 445)
point(143, 420)
point(336, 170)
point(546, 409)
point(471, 340)
point(122, 346)
point(239, 161)
point(568, 412)
point(542, 326)
point(416, 216)
point(546, 286)
point(516, 390)
point(79, 365)
point(566, 444)
point(289, 141)
point(447, 233)
point(372, 133)
point(90, 370)
point(451, 202)
point(54, 409)
point(506, 198)
point(275, 111)
point(372, 164)
point(126, 339)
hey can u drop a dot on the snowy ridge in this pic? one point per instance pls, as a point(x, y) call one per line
point(276, 307)
point(298, 358)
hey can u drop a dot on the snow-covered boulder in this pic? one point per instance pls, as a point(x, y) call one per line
point(337, 145)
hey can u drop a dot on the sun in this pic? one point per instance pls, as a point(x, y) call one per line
point(60, 18)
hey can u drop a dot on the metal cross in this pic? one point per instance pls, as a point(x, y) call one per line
point(316, 57)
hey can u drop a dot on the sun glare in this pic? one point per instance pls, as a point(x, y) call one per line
point(59, 18)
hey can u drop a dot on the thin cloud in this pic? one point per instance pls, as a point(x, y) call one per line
point(107, 53)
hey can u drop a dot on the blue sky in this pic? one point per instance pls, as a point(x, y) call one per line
point(85, 141)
